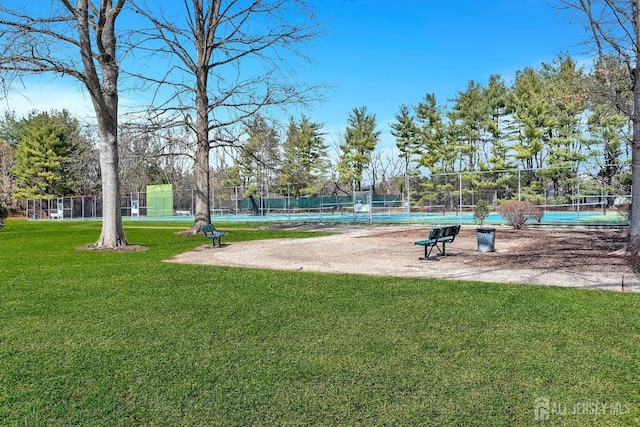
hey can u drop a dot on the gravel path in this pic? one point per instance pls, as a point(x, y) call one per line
point(535, 257)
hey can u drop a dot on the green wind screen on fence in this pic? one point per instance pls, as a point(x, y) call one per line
point(159, 200)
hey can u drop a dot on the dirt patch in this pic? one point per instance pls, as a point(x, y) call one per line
point(124, 248)
point(568, 249)
point(574, 257)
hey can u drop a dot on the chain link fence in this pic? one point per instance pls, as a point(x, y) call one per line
point(451, 193)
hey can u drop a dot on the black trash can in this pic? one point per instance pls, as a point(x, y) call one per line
point(486, 239)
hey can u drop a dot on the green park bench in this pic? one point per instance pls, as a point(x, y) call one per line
point(210, 232)
point(438, 238)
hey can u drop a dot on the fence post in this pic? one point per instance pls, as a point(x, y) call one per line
point(460, 188)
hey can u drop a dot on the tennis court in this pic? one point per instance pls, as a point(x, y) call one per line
point(586, 218)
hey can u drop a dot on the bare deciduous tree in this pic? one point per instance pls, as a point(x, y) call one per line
point(151, 154)
point(7, 157)
point(387, 171)
point(614, 28)
point(76, 39)
point(228, 60)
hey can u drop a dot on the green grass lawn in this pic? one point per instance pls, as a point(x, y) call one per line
point(103, 338)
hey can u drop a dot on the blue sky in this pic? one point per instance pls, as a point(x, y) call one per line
point(381, 54)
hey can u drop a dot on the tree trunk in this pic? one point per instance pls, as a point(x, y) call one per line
point(104, 96)
point(106, 108)
point(112, 234)
point(201, 173)
point(633, 246)
point(201, 167)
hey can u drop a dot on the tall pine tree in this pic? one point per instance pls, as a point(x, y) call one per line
point(360, 139)
point(406, 133)
point(42, 168)
point(305, 161)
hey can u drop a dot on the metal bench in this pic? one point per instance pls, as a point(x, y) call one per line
point(438, 238)
point(210, 232)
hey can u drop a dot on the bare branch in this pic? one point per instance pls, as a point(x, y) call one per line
point(227, 61)
point(77, 41)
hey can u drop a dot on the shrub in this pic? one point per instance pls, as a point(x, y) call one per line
point(624, 212)
point(517, 213)
point(4, 212)
point(481, 211)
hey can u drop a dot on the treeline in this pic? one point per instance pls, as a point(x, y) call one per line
point(555, 124)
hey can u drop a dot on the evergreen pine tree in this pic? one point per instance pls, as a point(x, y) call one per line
point(42, 155)
point(305, 158)
point(360, 140)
